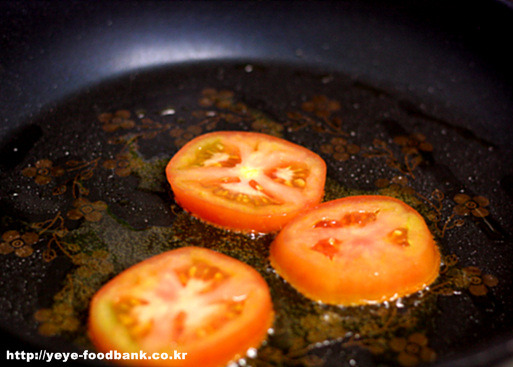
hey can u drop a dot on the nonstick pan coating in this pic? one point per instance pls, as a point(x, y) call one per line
point(409, 102)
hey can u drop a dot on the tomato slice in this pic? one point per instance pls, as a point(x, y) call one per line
point(190, 300)
point(357, 250)
point(246, 181)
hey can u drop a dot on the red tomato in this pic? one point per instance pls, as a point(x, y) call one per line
point(246, 181)
point(357, 250)
point(190, 300)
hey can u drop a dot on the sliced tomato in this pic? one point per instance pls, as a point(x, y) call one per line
point(357, 250)
point(246, 181)
point(190, 300)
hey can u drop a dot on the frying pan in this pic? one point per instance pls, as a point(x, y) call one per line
point(408, 99)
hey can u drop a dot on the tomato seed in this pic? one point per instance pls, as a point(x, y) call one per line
point(327, 223)
point(329, 247)
point(399, 236)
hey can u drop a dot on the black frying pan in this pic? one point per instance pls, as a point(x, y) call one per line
point(410, 101)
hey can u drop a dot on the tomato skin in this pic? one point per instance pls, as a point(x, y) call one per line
point(360, 262)
point(257, 155)
point(225, 218)
point(228, 342)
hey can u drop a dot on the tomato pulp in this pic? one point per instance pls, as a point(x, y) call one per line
point(191, 300)
point(357, 250)
point(246, 181)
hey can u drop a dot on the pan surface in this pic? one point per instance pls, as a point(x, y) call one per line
point(83, 193)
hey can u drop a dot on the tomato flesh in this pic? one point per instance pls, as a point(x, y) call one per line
point(357, 250)
point(192, 300)
point(246, 181)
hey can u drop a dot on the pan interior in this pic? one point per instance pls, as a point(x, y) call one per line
point(84, 196)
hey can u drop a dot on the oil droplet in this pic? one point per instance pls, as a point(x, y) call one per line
point(327, 79)
point(167, 112)
point(252, 353)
